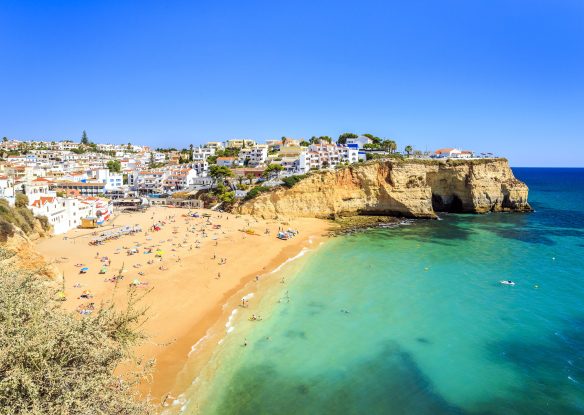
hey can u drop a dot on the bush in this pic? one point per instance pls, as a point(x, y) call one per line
point(21, 217)
point(6, 230)
point(53, 362)
point(44, 221)
point(21, 200)
point(255, 192)
point(227, 197)
point(290, 181)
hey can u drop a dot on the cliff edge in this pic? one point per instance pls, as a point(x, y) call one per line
point(410, 188)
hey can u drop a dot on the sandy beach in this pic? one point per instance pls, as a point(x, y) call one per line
point(205, 261)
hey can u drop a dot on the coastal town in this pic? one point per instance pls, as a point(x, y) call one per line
point(92, 217)
point(80, 183)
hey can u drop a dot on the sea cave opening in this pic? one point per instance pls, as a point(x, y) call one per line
point(451, 203)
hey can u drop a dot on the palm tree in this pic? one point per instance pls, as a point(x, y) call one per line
point(408, 149)
point(390, 145)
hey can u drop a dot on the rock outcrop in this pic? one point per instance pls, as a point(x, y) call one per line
point(19, 252)
point(409, 188)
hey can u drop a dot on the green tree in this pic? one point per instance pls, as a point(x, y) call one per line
point(273, 170)
point(343, 137)
point(220, 173)
point(129, 147)
point(304, 143)
point(4, 139)
point(389, 145)
point(314, 140)
point(84, 138)
point(375, 139)
point(191, 152)
point(152, 161)
point(325, 138)
point(408, 149)
point(114, 166)
point(250, 177)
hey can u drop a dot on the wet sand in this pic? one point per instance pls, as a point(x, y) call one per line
point(196, 280)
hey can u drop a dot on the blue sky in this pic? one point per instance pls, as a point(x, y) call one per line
point(487, 75)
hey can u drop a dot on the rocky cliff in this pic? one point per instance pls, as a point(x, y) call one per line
point(410, 188)
point(17, 251)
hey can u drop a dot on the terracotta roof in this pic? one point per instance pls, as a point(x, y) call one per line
point(40, 202)
point(444, 150)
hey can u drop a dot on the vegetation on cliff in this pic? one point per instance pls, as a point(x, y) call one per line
point(54, 362)
point(19, 216)
point(290, 181)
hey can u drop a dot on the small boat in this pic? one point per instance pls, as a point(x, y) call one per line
point(507, 282)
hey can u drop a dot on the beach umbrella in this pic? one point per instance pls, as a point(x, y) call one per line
point(136, 282)
point(84, 269)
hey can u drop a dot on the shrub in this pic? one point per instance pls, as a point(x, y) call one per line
point(21, 200)
point(6, 230)
point(255, 192)
point(53, 362)
point(44, 221)
point(290, 181)
point(227, 197)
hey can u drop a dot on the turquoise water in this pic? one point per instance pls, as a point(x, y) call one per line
point(413, 319)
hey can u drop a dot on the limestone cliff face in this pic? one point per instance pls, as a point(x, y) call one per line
point(18, 252)
point(410, 188)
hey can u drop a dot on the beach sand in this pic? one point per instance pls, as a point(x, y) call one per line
point(189, 293)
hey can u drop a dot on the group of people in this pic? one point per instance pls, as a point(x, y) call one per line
point(115, 234)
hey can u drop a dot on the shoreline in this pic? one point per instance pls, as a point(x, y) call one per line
point(216, 347)
point(208, 333)
point(206, 264)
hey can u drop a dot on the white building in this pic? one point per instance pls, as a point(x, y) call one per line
point(147, 181)
point(200, 166)
point(179, 179)
point(7, 189)
point(452, 153)
point(253, 156)
point(201, 153)
point(325, 155)
point(111, 180)
point(65, 214)
point(358, 142)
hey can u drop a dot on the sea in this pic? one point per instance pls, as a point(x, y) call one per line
point(414, 319)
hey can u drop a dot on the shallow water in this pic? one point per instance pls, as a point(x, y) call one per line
point(413, 320)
